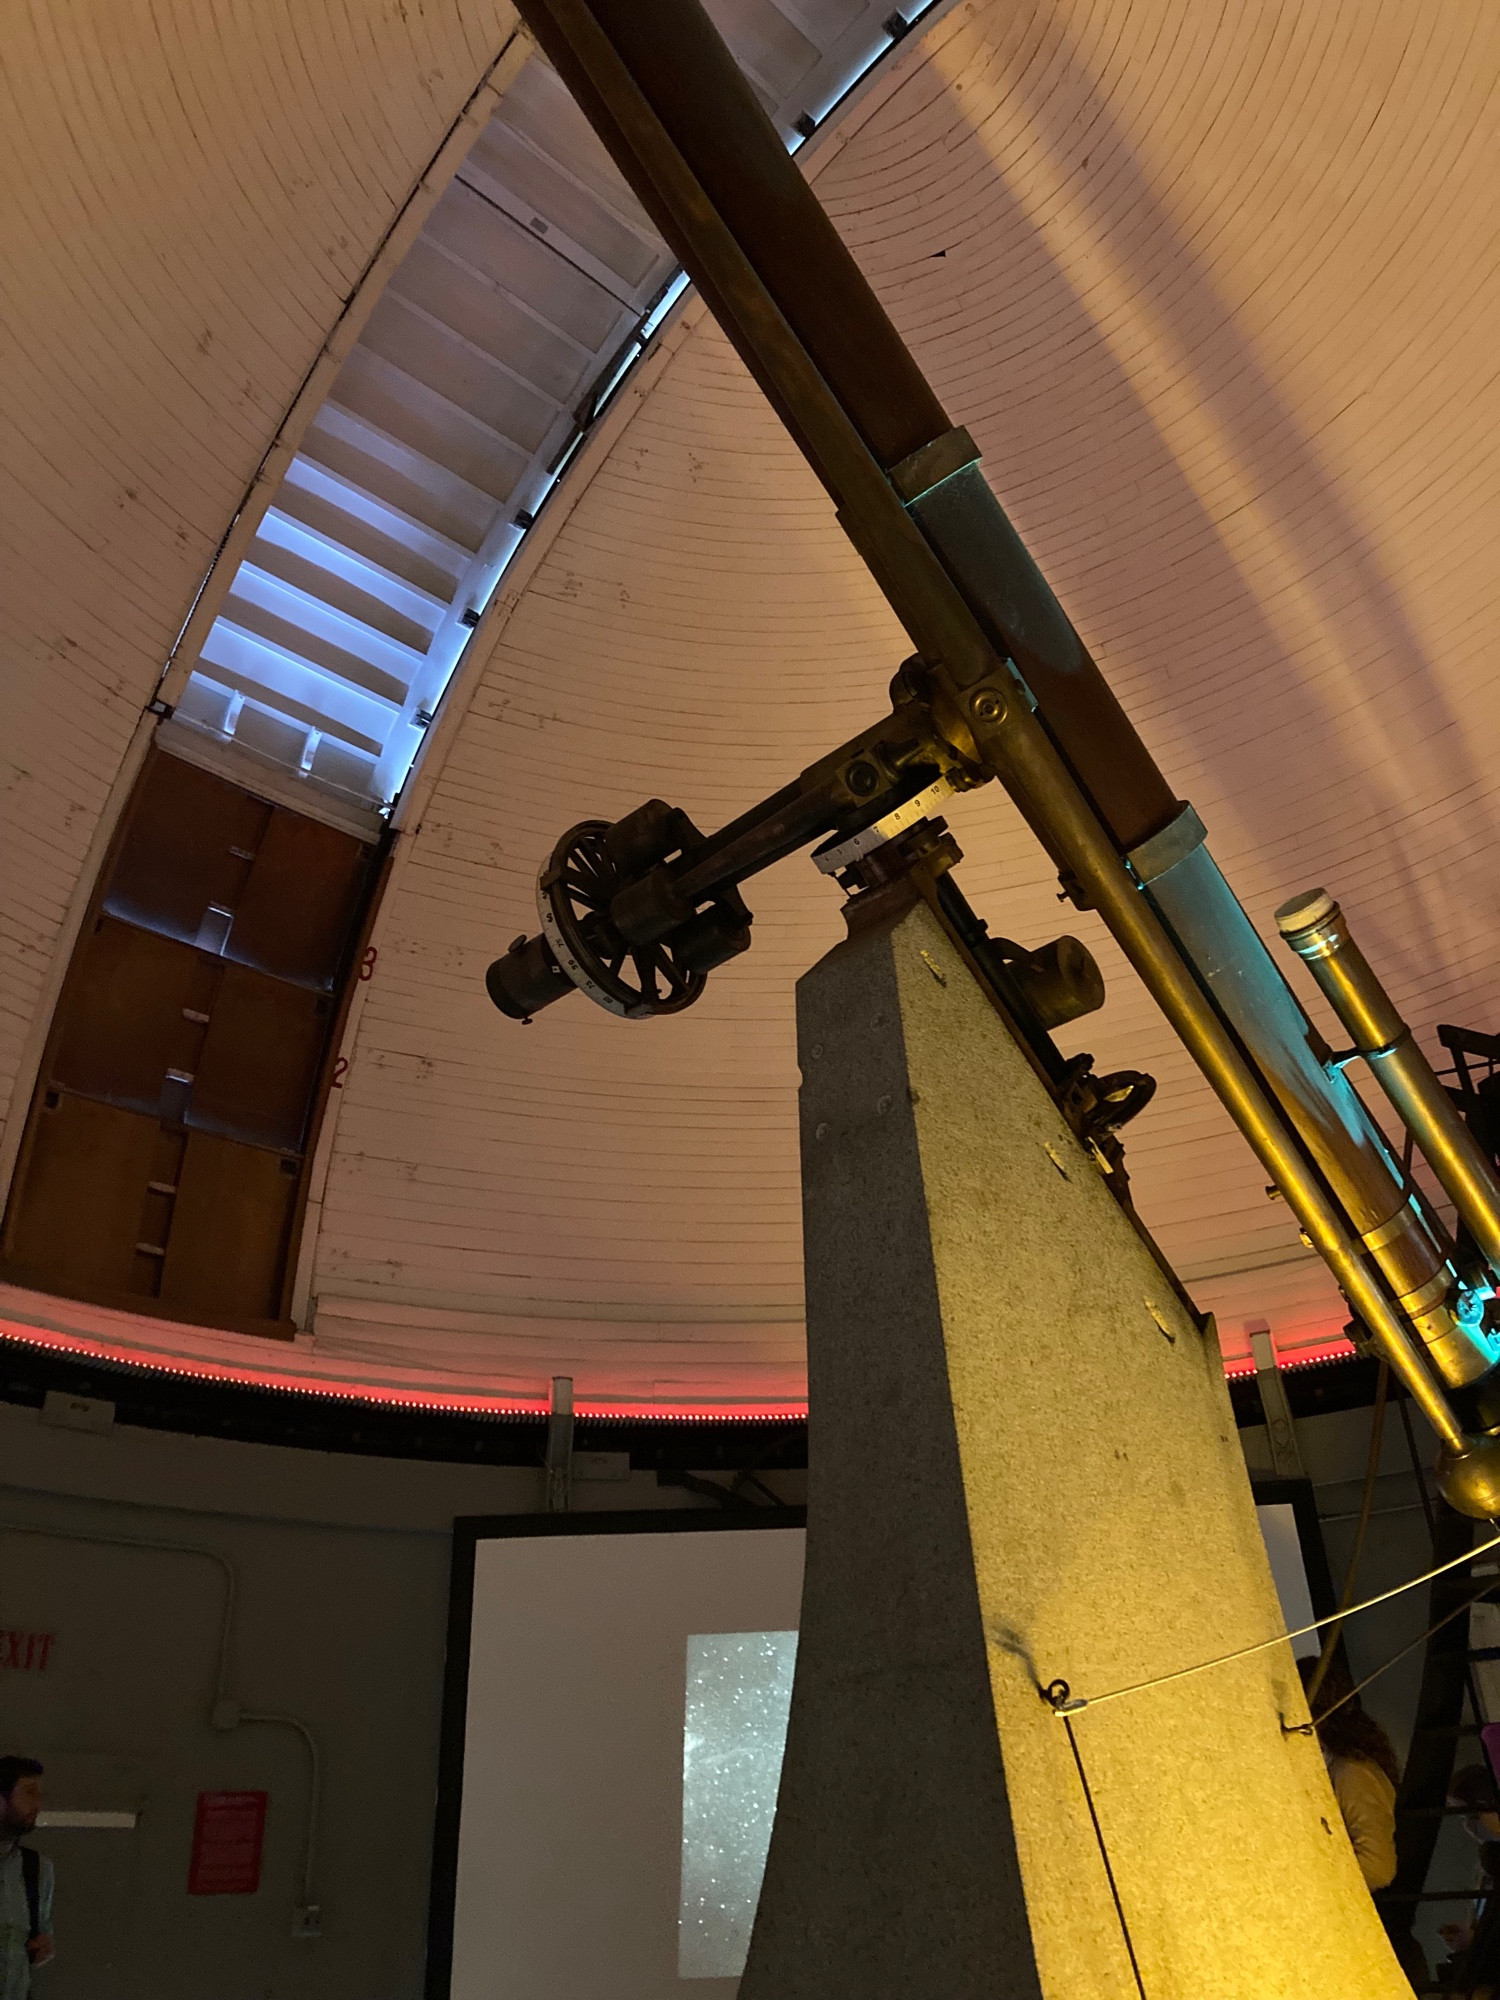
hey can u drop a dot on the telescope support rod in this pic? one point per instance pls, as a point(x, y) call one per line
point(758, 841)
point(1317, 930)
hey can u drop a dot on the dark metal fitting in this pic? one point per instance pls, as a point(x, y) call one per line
point(909, 682)
point(1061, 1699)
point(1061, 980)
point(928, 844)
point(652, 833)
point(988, 705)
point(644, 912)
point(1361, 1339)
point(713, 937)
point(932, 463)
point(862, 779)
point(527, 979)
point(1098, 1106)
point(1071, 890)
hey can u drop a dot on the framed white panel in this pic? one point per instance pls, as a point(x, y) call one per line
point(604, 1665)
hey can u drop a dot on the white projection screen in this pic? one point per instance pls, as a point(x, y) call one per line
point(614, 1720)
point(1281, 1534)
point(616, 1717)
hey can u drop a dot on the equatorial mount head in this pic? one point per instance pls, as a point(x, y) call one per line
point(632, 972)
point(637, 912)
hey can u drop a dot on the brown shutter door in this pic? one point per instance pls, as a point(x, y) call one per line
point(167, 1143)
point(83, 1206)
point(226, 1254)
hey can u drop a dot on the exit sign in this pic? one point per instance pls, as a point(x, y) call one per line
point(27, 1652)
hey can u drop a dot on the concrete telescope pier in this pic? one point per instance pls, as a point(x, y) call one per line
point(1061, 1496)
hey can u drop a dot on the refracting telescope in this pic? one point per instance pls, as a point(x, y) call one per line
point(637, 913)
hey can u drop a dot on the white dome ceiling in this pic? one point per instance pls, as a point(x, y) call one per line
point(1216, 296)
point(192, 197)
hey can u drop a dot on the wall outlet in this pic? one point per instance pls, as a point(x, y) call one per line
point(307, 1921)
point(78, 1413)
point(609, 1468)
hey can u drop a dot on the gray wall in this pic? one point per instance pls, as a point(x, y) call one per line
point(1334, 1451)
point(341, 1567)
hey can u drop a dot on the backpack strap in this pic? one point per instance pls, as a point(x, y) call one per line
point(31, 1877)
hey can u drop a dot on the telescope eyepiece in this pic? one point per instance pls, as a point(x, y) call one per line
point(526, 979)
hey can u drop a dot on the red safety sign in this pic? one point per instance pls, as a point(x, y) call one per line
point(227, 1836)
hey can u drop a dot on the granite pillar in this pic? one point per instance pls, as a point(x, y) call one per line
point(1024, 1467)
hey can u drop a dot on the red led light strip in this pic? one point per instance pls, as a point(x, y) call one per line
point(474, 1404)
point(1336, 1349)
point(451, 1402)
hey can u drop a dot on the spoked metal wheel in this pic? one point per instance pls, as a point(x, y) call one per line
point(573, 895)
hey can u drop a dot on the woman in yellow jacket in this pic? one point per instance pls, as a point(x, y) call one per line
point(1362, 1765)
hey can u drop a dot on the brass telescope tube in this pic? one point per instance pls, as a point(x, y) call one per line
point(669, 103)
point(1018, 750)
point(944, 490)
point(1179, 875)
point(1317, 930)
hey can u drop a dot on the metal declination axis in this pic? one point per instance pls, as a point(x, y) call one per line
point(636, 913)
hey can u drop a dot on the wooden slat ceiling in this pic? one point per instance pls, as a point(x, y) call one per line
point(192, 196)
point(1216, 295)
